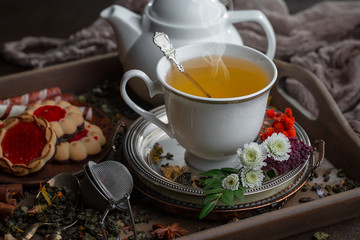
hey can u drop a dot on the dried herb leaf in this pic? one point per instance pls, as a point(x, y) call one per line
point(321, 236)
point(306, 199)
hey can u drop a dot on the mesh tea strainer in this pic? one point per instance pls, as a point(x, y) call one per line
point(115, 182)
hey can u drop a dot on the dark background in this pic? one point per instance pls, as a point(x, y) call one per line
point(48, 18)
point(60, 19)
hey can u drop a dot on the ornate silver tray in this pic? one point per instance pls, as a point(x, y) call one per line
point(142, 136)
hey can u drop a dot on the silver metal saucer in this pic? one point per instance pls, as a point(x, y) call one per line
point(142, 136)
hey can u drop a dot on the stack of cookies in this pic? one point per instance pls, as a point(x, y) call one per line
point(47, 131)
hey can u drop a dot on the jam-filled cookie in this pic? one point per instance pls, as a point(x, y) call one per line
point(27, 143)
point(87, 142)
point(65, 118)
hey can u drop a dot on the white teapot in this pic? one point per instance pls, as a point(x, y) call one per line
point(185, 22)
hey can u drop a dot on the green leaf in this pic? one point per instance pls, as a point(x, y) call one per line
point(209, 181)
point(239, 194)
point(207, 209)
point(214, 190)
point(213, 184)
point(227, 197)
point(229, 170)
point(211, 198)
point(270, 173)
point(212, 173)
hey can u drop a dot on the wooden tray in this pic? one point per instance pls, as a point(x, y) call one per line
point(342, 143)
point(292, 219)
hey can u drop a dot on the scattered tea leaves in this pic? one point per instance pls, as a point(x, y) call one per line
point(321, 236)
point(169, 156)
point(328, 188)
point(327, 173)
point(305, 188)
point(316, 187)
point(340, 173)
point(63, 211)
point(184, 178)
point(327, 178)
point(306, 199)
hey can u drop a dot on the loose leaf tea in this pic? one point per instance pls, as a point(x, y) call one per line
point(53, 205)
point(63, 210)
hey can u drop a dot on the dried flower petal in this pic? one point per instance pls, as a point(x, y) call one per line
point(299, 153)
point(45, 194)
point(279, 122)
point(288, 112)
point(291, 133)
point(320, 193)
point(161, 231)
point(270, 113)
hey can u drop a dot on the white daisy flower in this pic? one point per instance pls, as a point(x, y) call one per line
point(231, 182)
point(251, 177)
point(252, 155)
point(278, 146)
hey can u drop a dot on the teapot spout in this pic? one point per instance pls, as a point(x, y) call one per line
point(126, 25)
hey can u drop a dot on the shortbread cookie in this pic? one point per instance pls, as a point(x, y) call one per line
point(64, 118)
point(87, 142)
point(27, 143)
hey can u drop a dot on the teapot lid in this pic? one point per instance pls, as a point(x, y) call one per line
point(187, 12)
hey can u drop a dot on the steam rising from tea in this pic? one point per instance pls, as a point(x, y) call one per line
point(220, 76)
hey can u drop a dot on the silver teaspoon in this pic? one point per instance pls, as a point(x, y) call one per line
point(163, 42)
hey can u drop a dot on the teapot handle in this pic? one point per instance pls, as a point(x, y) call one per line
point(259, 17)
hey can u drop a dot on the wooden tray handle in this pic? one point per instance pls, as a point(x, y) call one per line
point(330, 124)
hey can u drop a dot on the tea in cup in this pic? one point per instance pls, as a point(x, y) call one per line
point(211, 130)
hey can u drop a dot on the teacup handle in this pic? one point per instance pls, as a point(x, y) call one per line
point(259, 17)
point(154, 88)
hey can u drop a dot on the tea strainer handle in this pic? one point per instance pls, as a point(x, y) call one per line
point(111, 206)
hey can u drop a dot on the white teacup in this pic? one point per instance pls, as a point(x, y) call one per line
point(210, 129)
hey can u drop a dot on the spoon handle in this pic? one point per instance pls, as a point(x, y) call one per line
point(163, 42)
point(196, 84)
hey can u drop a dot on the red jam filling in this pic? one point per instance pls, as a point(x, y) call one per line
point(79, 136)
point(50, 113)
point(23, 142)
